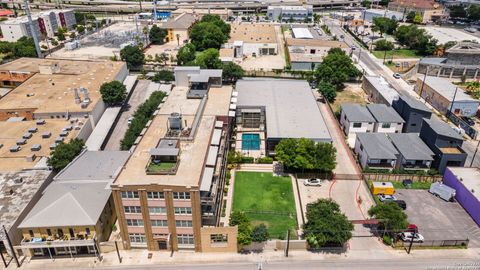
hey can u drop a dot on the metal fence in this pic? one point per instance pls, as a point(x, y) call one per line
point(435, 243)
point(401, 177)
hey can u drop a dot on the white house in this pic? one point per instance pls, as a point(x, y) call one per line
point(387, 120)
point(356, 119)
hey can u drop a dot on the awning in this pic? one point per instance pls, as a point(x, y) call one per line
point(217, 134)
point(212, 156)
point(251, 110)
point(164, 151)
point(207, 179)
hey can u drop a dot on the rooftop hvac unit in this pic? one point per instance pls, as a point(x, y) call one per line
point(46, 134)
point(40, 122)
point(27, 135)
point(21, 142)
point(76, 96)
point(15, 148)
point(32, 129)
point(175, 121)
point(36, 147)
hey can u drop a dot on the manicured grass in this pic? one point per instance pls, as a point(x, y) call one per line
point(402, 53)
point(266, 199)
point(163, 166)
point(415, 185)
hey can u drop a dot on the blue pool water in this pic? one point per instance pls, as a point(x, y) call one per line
point(250, 141)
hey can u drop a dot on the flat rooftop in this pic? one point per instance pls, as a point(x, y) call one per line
point(253, 33)
point(291, 108)
point(12, 132)
point(192, 153)
point(54, 93)
point(316, 43)
point(470, 178)
point(17, 190)
point(447, 89)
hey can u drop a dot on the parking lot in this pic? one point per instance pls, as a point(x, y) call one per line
point(309, 194)
point(445, 34)
point(438, 219)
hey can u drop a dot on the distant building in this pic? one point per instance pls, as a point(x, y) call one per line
point(387, 120)
point(307, 54)
point(462, 60)
point(412, 111)
point(445, 143)
point(354, 119)
point(179, 27)
point(379, 90)
point(6, 13)
point(440, 93)
point(429, 10)
point(249, 39)
point(370, 14)
point(375, 151)
point(288, 13)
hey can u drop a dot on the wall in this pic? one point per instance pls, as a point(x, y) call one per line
point(293, 245)
point(7, 113)
point(229, 246)
point(306, 66)
point(249, 48)
point(362, 155)
point(468, 201)
point(466, 108)
point(394, 128)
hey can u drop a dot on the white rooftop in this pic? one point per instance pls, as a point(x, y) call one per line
point(470, 178)
point(303, 33)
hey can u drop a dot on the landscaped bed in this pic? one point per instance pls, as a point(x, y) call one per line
point(161, 167)
point(266, 199)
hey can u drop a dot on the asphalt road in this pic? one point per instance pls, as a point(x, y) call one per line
point(393, 264)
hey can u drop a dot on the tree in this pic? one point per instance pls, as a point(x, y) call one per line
point(384, 25)
point(133, 56)
point(232, 72)
point(240, 219)
point(316, 17)
point(81, 17)
point(392, 218)
point(61, 36)
point(410, 16)
point(328, 91)
point(64, 153)
point(24, 47)
point(415, 38)
point(418, 19)
point(113, 93)
point(215, 19)
point(209, 58)
point(326, 225)
point(384, 45)
point(458, 12)
point(260, 233)
point(161, 58)
point(163, 75)
point(366, 4)
point(305, 154)
point(80, 29)
point(206, 35)
point(336, 68)
point(473, 12)
point(186, 54)
point(157, 35)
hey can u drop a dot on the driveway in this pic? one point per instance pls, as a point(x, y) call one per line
point(138, 96)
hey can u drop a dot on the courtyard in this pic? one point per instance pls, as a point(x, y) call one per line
point(266, 199)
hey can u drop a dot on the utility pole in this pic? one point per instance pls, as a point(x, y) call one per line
point(154, 11)
point(423, 83)
point(288, 243)
point(453, 101)
point(474, 154)
point(32, 30)
point(11, 246)
point(118, 252)
point(411, 242)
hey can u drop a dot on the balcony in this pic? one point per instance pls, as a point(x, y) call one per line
point(54, 241)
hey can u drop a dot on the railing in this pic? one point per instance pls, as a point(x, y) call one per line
point(436, 243)
point(386, 165)
point(58, 243)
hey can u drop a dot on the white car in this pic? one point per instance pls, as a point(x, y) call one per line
point(130, 119)
point(313, 182)
point(384, 198)
point(407, 237)
point(396, 76)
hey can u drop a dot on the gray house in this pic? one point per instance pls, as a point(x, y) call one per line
point(414, 153)
point(412, 111)
point(386, 118)
point(375, 151)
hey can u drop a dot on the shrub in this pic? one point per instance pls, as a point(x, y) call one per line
point(265, 160)
point(387, 240)
point(260, 233)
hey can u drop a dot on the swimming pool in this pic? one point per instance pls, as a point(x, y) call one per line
point(250, 141)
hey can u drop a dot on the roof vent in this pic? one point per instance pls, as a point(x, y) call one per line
point(18, 180)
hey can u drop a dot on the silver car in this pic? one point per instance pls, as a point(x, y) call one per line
point(313, 182)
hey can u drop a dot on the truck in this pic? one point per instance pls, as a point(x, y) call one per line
point(385, 188)
point(443, 191)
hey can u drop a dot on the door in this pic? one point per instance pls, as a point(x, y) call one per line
point(162, 245)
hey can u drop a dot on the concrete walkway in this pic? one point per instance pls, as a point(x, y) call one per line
point(298, 205)
point(229, 199)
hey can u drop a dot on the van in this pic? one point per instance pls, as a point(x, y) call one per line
point(385, 188)
point(440, 190)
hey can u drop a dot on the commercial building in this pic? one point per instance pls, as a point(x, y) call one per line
point(414, 154)
point(370, 14)
point(354, 119)
point(307, 54)
point(249, 39)
point(290, 13)
point(169, 194)
point(466, 182)
point(444, 142)
point(76, 211)
point(462, 60)
point(412, 111)
point(379, 90)
point(429, 10)
point(269, 110)
point(179, 26)
point(375, 151)
point(387, 120)
point(445, 96)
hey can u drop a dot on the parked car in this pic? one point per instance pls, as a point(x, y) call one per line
point(313, 182)
point(401, 203)
point(130, 119)
point(396, 76)
point(440, 190)
point(383, 197)
point(412, 228)
point(407, 183)
point(468, 120)
point(408, 236)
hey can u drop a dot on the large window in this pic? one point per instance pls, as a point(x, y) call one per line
point(357, 125)
point(157, 210)
point(219, 238)
point(130, 195)
point(156, 195)
point(135, 222)
point(159, 223)
point(181, 195)
point(183, 210)
point(137, 237)
point(183, 223)
point(132, 209)
point(185, 239)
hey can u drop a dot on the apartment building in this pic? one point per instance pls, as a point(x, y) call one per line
point(412, 111)
point(379, 90)
point(307, 54)
point(356, 119)
point(169, 194)
point(386, 118)
point(290, 13)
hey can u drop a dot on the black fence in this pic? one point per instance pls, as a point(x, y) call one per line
point(435, 243)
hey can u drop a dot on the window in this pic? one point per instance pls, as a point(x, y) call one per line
point(185, 239)
point(135, 222)
point(361, 147)
point(159, 223)
point(130, 195)
point(60, 232)
point(157, 210)
point(71, 232)
point(156, 195)
point(386, 125)
point(137, 237)
point(357, 125)
point(49, 232)
point(218, 238)
point(183, 210)
point(413, 125)
point(87, 231)
point(183, 223)
point(181, 195)
point(31, 233)
point(132, 209)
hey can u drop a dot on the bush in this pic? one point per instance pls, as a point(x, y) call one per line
point(228, 175)
point(64, 153)
point(113, 93)
point(260, 233)
point(387, 240)
point(265, 160)
point(164, 75)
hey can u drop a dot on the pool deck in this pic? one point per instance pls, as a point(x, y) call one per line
point(251, 153)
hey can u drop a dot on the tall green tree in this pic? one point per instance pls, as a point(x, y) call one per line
point(458, 12)
point(383, 45)
point(415, 38)
point(215, 19)
point(384, 25)
point(157, 35)
point(186, 54)
point(206, 35)
point(164, 75)
point(209, 58)
point(64, 153)
point(410, 16)
point(133, 56)
point(391, 216)
point(336, 68)
point(240, 219)
point(305, 154)
point(328, 91)
point(232, 72)
point(473, 12)
point(326, 225)
point(113, 93)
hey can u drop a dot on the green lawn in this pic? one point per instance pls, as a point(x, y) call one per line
point(163, 166)
point(415, 185)
point(266, 199)
point(402, 53)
